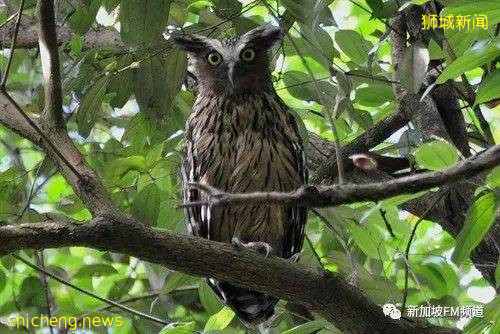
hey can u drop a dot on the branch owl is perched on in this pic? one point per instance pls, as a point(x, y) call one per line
point(242, 138)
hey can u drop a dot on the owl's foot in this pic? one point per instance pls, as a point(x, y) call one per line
point(295, 257)
point(257, 246)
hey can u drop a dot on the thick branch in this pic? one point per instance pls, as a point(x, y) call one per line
point(49, 55)
point(328, 294)
point(317, 196)
point(371, 138)
point(28, 38)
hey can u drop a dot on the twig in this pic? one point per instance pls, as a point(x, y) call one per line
point(44, 137)
point(386, 222)
point(412, 235)
point(328, 112)
point(88, 293)
point(13, 45)
point(46, 288)
point(354, 272)
point(471, 97)
point(332, 195)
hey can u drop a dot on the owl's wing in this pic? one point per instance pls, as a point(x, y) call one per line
point(197, 216)
point(296, 215)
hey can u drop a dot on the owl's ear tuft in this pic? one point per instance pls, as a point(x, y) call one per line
point(265, 36)
point(191, 43)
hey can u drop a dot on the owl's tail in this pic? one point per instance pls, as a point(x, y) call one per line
point(252, 307)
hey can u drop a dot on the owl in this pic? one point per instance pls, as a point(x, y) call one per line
point(240, 138)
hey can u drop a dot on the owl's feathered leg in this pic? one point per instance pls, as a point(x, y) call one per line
point(257, 246)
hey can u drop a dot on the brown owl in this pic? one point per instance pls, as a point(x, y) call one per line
point(241, 137)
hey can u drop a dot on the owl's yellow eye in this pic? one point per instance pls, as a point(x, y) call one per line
point(214, 58)
point(248, 54)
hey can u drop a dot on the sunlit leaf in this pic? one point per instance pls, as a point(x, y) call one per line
point(478, 221)
point(470, 60)
point(436, 155)
point(489, 88)
point(493, 178)
point(220, 320)
point(353, 45)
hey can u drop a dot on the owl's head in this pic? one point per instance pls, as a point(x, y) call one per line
point(231, 65)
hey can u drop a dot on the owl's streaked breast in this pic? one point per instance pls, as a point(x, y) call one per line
point(245, 144)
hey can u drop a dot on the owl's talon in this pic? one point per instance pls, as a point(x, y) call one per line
point(257, 246)
point(295, 257)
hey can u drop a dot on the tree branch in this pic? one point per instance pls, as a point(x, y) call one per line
point(49, 55)
point(28, 38)
point(328, 294)
point(332, 195)
point(326, 171)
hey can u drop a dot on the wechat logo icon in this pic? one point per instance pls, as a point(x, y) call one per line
point(391, 311)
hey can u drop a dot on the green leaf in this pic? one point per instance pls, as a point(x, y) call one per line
point(318, 44)
point(122, 83)
point(307, 328)
point(3, 280)
point(227, 8)
point(173, 281)
point(436, 155)
point(220, 320)
point(493, 178)
point(472, 8)
point(7, 210)
point(31, 292)
point(478, 221)
point(121, 166)
point(150, 89)
point(120, 288)
point(369, 240)
point(146, 204)
point(353, 45)
point(470, 60)
point(489, 89)
point(88, 110)
point(175, 69)
point(96, 270)
point(179, 328)
point(12, 174)
point(413, 67)
point(143, 22)
point(299, 85)
point(81, 21)
point(374, 95)
point(211, 303)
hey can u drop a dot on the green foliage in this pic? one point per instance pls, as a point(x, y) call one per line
point(436, 155)
point(143, 22)
point(471, 59)
point(478, 221)
point(220, 320)
point(489, 88)
point(126, 106)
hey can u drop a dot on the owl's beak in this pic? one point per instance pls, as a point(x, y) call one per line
point(230, 74)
